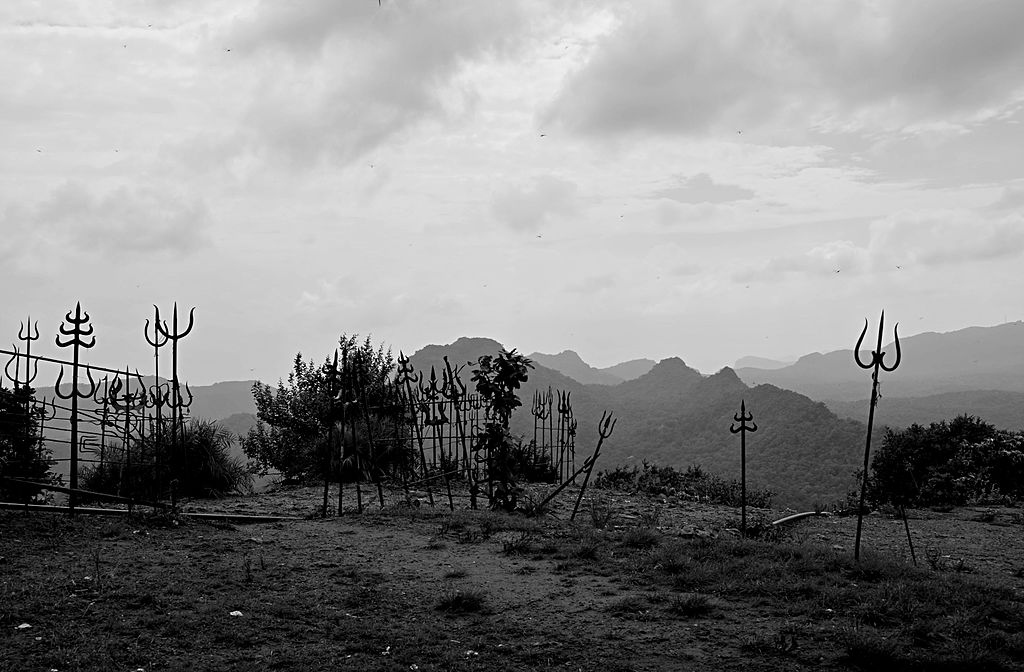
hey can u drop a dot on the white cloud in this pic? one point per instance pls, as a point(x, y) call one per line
point(527, 208)
point(701, 188)
point(125, 221)
point(910, 241)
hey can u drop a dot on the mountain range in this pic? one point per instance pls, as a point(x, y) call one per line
point(810, 413)
point(672, 415)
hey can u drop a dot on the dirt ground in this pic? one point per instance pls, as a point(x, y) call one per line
point(362, 592)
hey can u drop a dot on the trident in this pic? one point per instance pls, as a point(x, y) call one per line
point(743, 418)
point(175, 401)
point(876, 363)
point(27, 332)
point(80, 334)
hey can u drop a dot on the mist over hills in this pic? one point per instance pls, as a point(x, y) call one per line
point(975, 358)
point(1005, 410)
point(673, 415)
point(571, 364)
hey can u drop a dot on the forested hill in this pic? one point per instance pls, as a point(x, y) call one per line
point(672, 415)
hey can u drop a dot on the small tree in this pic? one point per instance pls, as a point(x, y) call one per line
point(957, 462)
point(294, 420)
point(497, 381)
point(23, 455)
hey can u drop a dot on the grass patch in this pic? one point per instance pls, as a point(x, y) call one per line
point(467, 601)
point(690, 605)
point(641, 537)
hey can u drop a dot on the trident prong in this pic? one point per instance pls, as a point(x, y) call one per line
point(878, 356)
point(75, 392)
point(177, 335)
point(877, 362)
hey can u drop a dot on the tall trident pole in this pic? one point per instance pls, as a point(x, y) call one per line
point(876, 363)
point(743, 418)
point(174, 398)
point(80, 335)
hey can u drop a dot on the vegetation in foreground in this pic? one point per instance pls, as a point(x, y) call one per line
point(408, 589)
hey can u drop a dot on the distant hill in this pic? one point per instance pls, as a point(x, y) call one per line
point(571, 364)
point(673, 415)
point(1005, 410)
point(976, 358)
point(634, 368)
point(760, 363)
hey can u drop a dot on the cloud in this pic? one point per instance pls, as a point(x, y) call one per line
point(700, 188)
point(593, 284)
point(1012, 198)
point(907, 241)
point(125, 221)
point(689, 67)
point(343, 78)
point(528, 208)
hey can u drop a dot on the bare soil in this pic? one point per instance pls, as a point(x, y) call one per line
point(419, 588)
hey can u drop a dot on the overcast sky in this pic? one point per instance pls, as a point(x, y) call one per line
point(627, 179)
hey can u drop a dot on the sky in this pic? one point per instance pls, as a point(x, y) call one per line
point(626, 179)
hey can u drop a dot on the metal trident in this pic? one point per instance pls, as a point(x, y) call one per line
point(174, 400)
point(877, 362)
point(80, 335)
point(158, 341)
point(743, 418)
point(27, 335)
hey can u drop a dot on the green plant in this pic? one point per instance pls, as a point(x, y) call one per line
point(691, 605)
point(641, 537)
point(602, 513)
point(201, 466)
point(22, 454)
point(518, 544)
point(497, 381)
point(462, 601)
point(963, 461)
point(295, 419)
point(694, 484)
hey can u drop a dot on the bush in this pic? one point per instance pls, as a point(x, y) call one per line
point(694, 484)
point(23, 455)
point(963, 461)
point(295, 419)
point(203, 466)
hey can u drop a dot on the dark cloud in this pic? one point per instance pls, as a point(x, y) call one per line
point(527, 208)
point(700, 188)
point(686, 67)
point(342, 78)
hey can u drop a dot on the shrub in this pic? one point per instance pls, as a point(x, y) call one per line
point(202, 467)
point(22, 454)
point(694, 484)
point(964, 461)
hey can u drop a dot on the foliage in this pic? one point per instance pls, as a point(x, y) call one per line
point(694, 484)
point(294, 421)
point(202, 466)
point(965, 460)
point(497, 381)
point(22, 454)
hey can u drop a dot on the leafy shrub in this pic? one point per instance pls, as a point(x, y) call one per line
point(22, 454)
point(295, 419)
point(202, 467)
point(498, 380)
point(963, 461)
point(694, 484)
